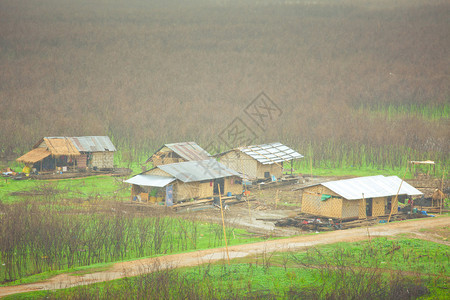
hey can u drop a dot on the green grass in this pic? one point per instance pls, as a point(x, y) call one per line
point(77, 271)
point(285, 275)
point(392, 111)
point(352, 171)
point(76, 188)
point(90, 187)
point(404, 254)
point(47, 243)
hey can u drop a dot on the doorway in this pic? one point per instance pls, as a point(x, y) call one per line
point(369, 207)
point(219, 182)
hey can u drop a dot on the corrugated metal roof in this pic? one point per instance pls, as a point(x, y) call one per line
point(93, 143)
point(191, 171)
point(189, 150)
point(271, 153)
point(150, 180)
point(371, 187)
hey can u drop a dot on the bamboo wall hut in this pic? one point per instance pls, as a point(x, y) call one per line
point(356, 198)
point(84, 152)
point(178, 152)
point(259, 161)
point(185, 181)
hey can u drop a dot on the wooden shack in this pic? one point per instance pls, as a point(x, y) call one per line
point(178, 152)
point(355, 198)
point(185, 181)
point(259, 161)
point(50, 153)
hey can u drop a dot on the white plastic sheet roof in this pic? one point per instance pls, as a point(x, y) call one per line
point(271, 153)
point(371, 187)
point(191, 171)
point(150, 180)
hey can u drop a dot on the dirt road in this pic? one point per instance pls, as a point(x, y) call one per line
point(133, 268)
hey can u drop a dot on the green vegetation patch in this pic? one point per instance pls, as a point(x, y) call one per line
point(338, 271)
point(86, 188)
point(34, 239)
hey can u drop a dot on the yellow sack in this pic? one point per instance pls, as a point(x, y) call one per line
point(26, 170)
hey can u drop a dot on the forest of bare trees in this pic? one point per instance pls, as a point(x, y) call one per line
point(348, 76)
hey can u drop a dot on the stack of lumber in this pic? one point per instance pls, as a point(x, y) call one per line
point(309, 222)
point(207, 203)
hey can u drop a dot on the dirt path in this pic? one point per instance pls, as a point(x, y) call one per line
point(142, 266)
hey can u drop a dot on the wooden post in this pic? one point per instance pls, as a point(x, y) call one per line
point(365, 206)
point(223, 225)
point(276, 200)
point(442, 192)
point(396, 196)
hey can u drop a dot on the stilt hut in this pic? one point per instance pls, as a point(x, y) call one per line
point(355, 198)
point(185, 181)
point(259, 161)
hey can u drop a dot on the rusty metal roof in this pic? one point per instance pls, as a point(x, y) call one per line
point(93, 143)
point(271, 153)
point(191, 171)
point(189, 150)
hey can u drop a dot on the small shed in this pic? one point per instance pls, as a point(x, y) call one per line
point(178, 152)
point(355, 198)
point(70, 152)
point(259, 161)
point(185, 180)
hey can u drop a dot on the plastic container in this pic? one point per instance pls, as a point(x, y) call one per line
point(229, 194)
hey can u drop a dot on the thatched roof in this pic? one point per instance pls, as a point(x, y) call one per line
point(61, 146)
point(69, 146)
point(438, 195)
point(34, 155)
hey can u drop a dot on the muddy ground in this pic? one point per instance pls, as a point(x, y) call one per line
point(271, 204)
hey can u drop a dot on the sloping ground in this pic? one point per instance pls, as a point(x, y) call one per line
point(137, 267)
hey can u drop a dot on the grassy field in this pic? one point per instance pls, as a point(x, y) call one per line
point(382, 268)
point(40, 236)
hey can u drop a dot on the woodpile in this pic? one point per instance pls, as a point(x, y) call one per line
point(283, 181)
point(314, 223)
point(210, 202)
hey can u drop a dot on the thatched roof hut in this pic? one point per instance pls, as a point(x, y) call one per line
point(86, 151)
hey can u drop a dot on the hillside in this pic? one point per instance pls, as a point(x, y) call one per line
point(344, 75)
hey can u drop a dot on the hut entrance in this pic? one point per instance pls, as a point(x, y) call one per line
point(369, 207)
point(219, 182)
point(388, 206)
